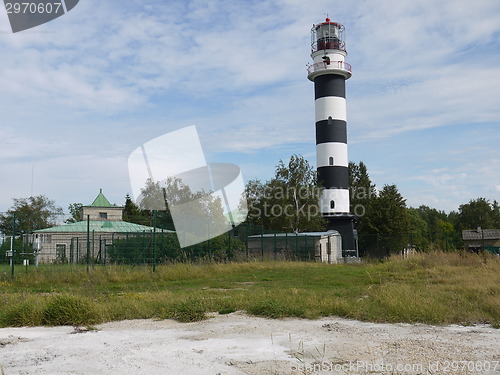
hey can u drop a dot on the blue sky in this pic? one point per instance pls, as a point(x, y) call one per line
point(80, 93)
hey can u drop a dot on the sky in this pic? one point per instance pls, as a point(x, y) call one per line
point(80, 93)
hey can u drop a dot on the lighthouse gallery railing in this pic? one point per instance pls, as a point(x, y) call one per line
point(342, 65)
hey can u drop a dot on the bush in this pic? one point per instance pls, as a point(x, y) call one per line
point(273, 307)
point(190, 310)
point(70, 310)
point(23, 314)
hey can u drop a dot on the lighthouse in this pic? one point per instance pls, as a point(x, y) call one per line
point(329, 71)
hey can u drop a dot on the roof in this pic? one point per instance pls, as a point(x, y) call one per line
point(100, 226)
point(101, 201)
point(303, 234)
point(481, 234)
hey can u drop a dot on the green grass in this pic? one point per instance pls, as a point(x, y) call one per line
point(436, 288)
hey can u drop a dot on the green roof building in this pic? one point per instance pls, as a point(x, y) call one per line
point(68, 243)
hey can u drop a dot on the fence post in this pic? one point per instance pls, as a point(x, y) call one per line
point(246, 239)
point(155, 213)
point(296, 244)
point(262, 242)
point(13, 257)
point(229, 255)
point(286, 243)
point(482, 241)
point(274, 245)
point(88, 243)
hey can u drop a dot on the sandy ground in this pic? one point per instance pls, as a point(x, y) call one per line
point(238, 344)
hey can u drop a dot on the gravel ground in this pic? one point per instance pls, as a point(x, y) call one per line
point(236, 344)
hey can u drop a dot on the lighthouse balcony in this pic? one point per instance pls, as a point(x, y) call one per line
point(329, 67)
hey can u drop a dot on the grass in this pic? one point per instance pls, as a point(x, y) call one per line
point(435, 288)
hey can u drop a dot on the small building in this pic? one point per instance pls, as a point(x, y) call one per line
point(319, 246)
point(482, 239)
point(103, 223)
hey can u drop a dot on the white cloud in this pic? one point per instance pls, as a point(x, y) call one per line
point(101, 80)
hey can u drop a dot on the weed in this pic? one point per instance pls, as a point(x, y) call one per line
point(190, 310)
point(70, 310)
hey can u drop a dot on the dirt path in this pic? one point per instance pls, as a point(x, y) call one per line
point(238, 344)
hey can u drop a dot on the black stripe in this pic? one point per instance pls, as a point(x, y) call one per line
point(331, 177)
point(331, 131)
point(329, 85)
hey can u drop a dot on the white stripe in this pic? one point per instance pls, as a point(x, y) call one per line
point(339, 196)
point(331, 149)
point(333, 106)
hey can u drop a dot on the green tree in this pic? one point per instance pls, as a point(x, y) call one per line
point(448, 238)
point(75, 210)
point(362, 189)
point(132, 213)
point(390, 220)
point(156, 196)
point(362, 195)
point(419, 229)
point(289, 201)
point(152, 196)
point(479, 212)
point(31, 214)
point(432, 217)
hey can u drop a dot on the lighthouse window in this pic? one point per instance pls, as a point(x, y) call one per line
point(332, 204)
point(331, 160)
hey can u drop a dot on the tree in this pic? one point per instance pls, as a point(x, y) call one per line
point(31, 214)
point(419, 229)
point(363, 191)
point(192, 210)
point(75, 210)
point(390, 219)
point(432, 217)
point(132, 213)
point(289, 201)
point(362, 195)
point(479, 213)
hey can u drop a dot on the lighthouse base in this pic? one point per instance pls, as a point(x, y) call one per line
point(346, 225)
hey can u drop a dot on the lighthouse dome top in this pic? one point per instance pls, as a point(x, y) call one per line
point(329, 21)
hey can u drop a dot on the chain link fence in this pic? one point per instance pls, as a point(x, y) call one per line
point(159, 245)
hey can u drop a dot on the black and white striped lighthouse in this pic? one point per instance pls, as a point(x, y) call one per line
point(329, 71)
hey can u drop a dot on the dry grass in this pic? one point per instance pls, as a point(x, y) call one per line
point(436, 288)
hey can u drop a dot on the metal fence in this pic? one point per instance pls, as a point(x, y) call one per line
point(160, 245)
point(381, 245)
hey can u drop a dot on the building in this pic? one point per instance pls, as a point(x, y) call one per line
point(319, 246)
point(482, 239)
point(102, 224)
point(329, 71)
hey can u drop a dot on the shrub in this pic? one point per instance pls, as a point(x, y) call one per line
point(70, 310)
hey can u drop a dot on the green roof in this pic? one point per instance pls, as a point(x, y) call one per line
point(100, 226)
point(101, 201)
